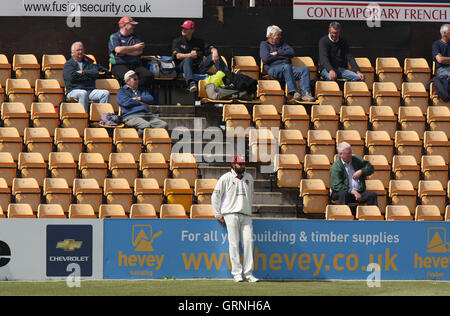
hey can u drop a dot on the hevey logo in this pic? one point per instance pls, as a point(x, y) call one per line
point(5, 254)
point(142, 241)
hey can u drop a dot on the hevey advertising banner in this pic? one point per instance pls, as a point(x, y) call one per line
point(101, 8)
point(373, 11)
point(284, 249)
point(43, 249)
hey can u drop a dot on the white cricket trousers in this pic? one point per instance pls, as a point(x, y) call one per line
point(240, 229)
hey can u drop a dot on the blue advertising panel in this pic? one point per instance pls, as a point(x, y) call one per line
point(284, 249)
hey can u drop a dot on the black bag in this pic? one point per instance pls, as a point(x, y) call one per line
point(163, 67)
point(241, 82)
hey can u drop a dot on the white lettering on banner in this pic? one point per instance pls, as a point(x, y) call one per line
point(360, 11)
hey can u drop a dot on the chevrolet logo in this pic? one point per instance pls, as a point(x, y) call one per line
point(69, 245)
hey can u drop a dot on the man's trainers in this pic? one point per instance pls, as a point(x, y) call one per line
point(308, 97)
point(297, 96)
point(192, 87)
point(251, 279)
point(238, 278)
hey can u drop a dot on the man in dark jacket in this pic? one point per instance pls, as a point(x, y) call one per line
point(334, 55)
point(347, 178)
point(188, 52)
point(276, 57)
point(79, 76)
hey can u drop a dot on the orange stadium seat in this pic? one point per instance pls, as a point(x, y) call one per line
point(81, 211)
point(178, 191)
point(5, 69)
point(270, 92)
point(324, 117)
point(97, 140)
point(52, 67)
point(112, 211)
point(415, 94)
point(398, 213)
point(203, 190)
point(26, 190)
point(123, 165)
point(438, 117)
point(184, 166)
point(112, 85)
point(431, 192)
point(32, 165)
point(237, 120)
point(147, 191)
point(380, 143)
point(295, 117)
point(314, 195)
point(44, 115)
point(10, 141)
point(202, 211)
point(437, 143)
point(434, 168)
point(428, 213)
point(289, 170)
point(318, 167)
point(405, 167)
point(417, 70)
point(142, 210)
point(357, 94)
point(246, 65)
point(383, 118)
point(26, 67)
point(321, 142)
point(96, 110)
point(38, 140)
point(291, 141)
point(157, 140)
point(354, 118)
point(50, 211)
point(368, 213)
point(402, 192)
point(266, 116)
point(126, 140)
point(386, 94)
point(57, 191)
point(378, 187)
point(5, 194)
point(365, 66)
point(352, 137)
point(49, 90)
point(173, 211)
point(19, 90)
point(388, 70)
point(153, 165)
point(20, 210)
point(62, 165)
point(408, 143)
point(118, 191)
point(92, 165)
point(338, 212)
point(262, 145)
point(68, 140)
point(328, 93)
point(8, 168)
point(14, 114)
point(87, 191)
point(411, 118)
point(73, 115)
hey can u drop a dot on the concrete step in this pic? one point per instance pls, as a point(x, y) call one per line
point(274, 210)
point(173, 110)
point(184, 123)
point(275, 198)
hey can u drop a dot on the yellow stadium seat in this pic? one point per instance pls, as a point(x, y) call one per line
point(380, 143)
point(417, 70)
point(172, 211)
point(352, 137)
point(97, 140)
point(118, 191)
point(262, 145)
point(14, 114)
point(365, 66)
point(8, 168)
point(5, 69)
point(73, 115)
point(324, 117)
point(321, 142)
point(386, 94)
point(437, 143)
point(32, 165)
point(428, 213)
point(314, 195)
point(328, 93)
point(434, 168)
point(368, 213)
point(289, 170)
point(87, 191)
point(62, 165)
point(19, 90)
point(123, 165)
point(411, 118)
point(5, 194)
point(26, 190)
point(96, 110)
point(295, 117)
point(408, 143)
point(184, 166)
point(112, 211)
point(178, 191)
point(10, 141)
point(49, 91)
point(398, 213)
point(153, 165)
point(414, 94)
point(26, 67)
point(157, 140)
point(388, 70)
point(378, 187)
point(318, 167)
point(338, 212)
point(246, 65)
point(402, 192)
point(52, 67)
point(147, 191)
point(438, 117)
point(405, 167)
point(383, 118)
point(382, 169)
point(68, 140)
point(354, 118)
point(20, 210)
point(435, 99)
point(431, 192)
point(142, 210)
point(81, 211)
point(38, 140)
point(112, 85)
point(203, 190)
point(202, 211)
point(126, 140)
point(50, 211)
point(57, 191)
point(270, 92)
point(44, 115)
point(266, 116)
point(92, 166)
point(237, 120)
point(357, 94)
point(291, 141)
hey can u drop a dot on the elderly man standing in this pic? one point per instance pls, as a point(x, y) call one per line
point(347, 178)
point(334, 55)
point(79, 76)
point(441, 52)
point(134, 104)
point(276, 57)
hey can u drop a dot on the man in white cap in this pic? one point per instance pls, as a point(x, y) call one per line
point(232, 204)
point(134, 103)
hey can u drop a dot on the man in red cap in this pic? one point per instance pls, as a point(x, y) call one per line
point(188, 53)
point(232, 201)
point(125, 50)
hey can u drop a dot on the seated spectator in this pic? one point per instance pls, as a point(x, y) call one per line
point(188, 53)
point(134, 103)
point(347, 178)
point(276, 57)
point(125, 50)
point(79, 77)
point(441, 52)
point(334, 55)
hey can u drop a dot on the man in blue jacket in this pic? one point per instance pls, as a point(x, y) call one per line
point(79, 76)
point(276, 57)
point(134, 104)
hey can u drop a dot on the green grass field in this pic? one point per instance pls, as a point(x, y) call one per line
point(224, 288)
